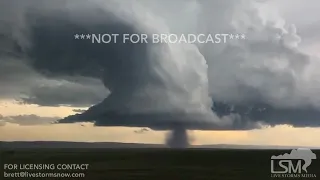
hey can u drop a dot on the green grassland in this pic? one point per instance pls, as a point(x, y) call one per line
point(159, 164)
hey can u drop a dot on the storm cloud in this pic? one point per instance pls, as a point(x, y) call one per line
point(264, 80)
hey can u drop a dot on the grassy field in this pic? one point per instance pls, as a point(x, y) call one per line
point(158, 164)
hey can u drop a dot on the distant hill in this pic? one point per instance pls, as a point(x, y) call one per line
point(230, 146)
point(62, 144)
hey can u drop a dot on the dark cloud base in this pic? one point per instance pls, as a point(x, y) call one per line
point(244, 117)
point(155, 121)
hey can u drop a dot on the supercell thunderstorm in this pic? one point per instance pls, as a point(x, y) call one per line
point(264, 80)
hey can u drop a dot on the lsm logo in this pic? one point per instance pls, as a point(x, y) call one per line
point(293, 165)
